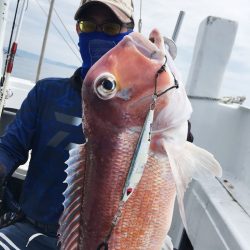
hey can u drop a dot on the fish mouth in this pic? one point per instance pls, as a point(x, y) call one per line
point(146, 47)
point(155, 52)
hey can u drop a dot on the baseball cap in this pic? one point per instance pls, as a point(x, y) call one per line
point(123, 9)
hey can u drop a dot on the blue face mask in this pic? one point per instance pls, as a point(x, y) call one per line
point(94, 45)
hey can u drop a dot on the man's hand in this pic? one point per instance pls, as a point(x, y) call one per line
point(13, 212)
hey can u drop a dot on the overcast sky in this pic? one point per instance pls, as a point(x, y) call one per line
point(158, 13)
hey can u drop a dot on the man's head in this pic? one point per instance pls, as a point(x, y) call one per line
point(101, 24)
point(122, 9)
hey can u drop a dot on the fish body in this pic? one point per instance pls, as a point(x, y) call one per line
point(117, 96)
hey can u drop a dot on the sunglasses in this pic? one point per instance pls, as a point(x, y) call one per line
point(108, 28)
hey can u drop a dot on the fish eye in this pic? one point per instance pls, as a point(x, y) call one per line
point(105, 86)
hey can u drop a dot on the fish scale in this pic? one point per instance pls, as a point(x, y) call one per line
point(108, 154)
point(150, 207)
point(109, 181)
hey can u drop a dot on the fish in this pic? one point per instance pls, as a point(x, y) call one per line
point(135, 109)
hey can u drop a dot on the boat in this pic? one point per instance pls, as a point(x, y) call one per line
point(218, 210)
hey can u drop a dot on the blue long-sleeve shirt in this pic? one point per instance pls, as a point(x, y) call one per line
point(49, 124)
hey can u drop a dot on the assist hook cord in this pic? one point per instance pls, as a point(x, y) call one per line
point(162, 69)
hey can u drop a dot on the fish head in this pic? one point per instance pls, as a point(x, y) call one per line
point(119, 88)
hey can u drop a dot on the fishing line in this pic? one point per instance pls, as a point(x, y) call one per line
point(60, 33)
point(140, 20)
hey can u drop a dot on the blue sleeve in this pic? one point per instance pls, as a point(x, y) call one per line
point(17, 139)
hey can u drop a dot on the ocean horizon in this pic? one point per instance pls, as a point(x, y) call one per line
point(26, 65)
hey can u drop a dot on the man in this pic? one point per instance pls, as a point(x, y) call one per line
point(49, 124)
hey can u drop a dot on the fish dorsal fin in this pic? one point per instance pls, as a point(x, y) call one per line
point(187, 162)
point(69, 230)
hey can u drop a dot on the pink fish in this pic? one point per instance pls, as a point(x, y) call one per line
point(106, 203)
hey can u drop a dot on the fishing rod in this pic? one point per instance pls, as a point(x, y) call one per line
point(11, 57)
point(10, 41)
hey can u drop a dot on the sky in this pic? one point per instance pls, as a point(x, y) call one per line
point(162, 14)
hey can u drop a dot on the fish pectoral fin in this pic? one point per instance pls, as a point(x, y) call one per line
point(191, 162)
point(69, 230)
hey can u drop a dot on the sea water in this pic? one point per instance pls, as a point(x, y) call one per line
point(26, 66)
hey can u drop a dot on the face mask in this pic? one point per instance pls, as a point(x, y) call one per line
point(94, 45)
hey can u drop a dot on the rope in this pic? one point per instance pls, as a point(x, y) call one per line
point(71, 38)
point(225, 99)
point(58, 31)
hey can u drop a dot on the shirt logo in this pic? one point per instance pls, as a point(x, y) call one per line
point(61, 135)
